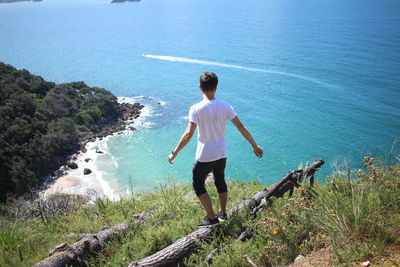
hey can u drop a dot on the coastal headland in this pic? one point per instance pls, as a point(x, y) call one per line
point(78, 175)
point(45, 125)
point(108, 126)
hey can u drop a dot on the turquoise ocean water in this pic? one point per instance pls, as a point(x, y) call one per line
point(312, 77)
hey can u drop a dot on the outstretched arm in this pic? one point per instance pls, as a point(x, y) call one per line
point(246, 134)
point(186, 136)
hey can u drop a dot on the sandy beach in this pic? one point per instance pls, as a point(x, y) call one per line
point(74, 181)
point(63, 184)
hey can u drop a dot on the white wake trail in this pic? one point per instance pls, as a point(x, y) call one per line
point(214, 63)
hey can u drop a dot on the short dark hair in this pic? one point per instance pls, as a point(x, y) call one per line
point(208, 81)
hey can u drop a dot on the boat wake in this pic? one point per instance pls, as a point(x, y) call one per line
point(232, 66)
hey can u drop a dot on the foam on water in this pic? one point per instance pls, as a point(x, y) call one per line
point(96, 181)
point(145, 113)
point(102, 181)
point(90, 184)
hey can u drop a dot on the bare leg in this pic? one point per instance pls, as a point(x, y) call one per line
point(223, 197)
point(206, 202)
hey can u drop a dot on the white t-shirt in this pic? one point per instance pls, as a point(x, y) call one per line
point(210, 117)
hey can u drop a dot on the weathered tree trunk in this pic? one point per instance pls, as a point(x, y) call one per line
point(74, 254)
point(176, 252)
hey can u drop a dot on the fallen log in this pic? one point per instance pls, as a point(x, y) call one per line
point(176, 252)
point(88, 244)
point(169, 256)
point(278, 189)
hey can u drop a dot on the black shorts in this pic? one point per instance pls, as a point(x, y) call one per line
point(202, 169)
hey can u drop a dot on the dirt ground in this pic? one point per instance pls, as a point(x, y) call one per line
point(391, 259)
point(322, 257)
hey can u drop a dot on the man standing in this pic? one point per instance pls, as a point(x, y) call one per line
point(211, 116)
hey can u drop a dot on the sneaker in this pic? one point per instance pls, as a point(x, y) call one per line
point(208, 223)
point(221, 216)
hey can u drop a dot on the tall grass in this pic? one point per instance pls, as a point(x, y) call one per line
point(355, 218)
point(25, 241)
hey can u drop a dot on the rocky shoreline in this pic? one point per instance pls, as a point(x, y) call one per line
point(103, 128)
point(108, 126)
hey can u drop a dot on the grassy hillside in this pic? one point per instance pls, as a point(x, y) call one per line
point(352, 219)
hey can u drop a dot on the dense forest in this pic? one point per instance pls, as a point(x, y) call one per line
point(40, 123)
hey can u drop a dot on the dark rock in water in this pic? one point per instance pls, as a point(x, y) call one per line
point(87, 159)
point(84, 150)
point(99, 151)
point(87, 171)
point(72, 165)
point(136, 116)
point(132, 128)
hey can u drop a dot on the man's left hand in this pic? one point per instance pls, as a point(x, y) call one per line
point(171, 158)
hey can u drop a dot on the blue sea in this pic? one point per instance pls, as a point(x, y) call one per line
point(310, 78)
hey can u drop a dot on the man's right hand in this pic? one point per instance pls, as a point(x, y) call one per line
point(258, 151)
